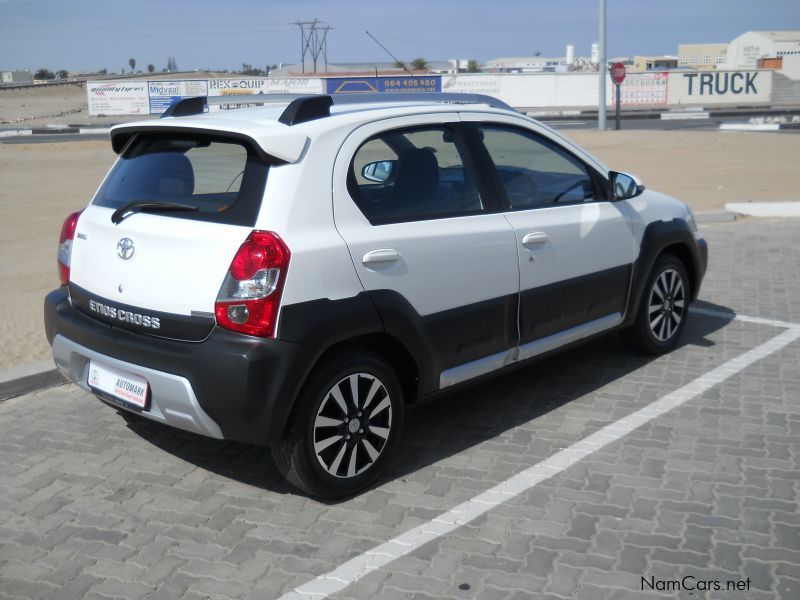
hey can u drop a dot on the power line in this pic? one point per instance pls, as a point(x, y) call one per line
point(399, 62)
point(313, 41)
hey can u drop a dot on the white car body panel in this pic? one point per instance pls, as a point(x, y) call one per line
point(444, 263)
point(581, 239)
point(177, 265)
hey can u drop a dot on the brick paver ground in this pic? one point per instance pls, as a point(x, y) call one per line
point(93, 507)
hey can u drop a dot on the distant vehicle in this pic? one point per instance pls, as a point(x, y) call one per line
point(296, 275)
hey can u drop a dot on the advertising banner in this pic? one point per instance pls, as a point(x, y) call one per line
point(278, 85)
point(642, 89)
point(239, 87)
point(389, 85)
point(117, 98)
point(164, 93)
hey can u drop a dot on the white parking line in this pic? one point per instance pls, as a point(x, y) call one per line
point(744, 318)
point(402, 545)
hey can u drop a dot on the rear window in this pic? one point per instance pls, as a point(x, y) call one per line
point(223, 178)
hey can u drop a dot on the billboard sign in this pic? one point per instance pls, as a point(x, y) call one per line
point(389, 85)
point(643, 89)
point(278, 85)
point(164, 93)
point(117, 98)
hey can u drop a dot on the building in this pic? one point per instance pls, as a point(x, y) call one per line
point(642, 64)
point(702, 56)
point(748, 48)
point(362, 68)
point(15, 76)
point(527, 64)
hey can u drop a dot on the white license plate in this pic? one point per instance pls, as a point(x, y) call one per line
point(121, 385)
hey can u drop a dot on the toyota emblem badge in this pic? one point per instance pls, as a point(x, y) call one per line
point(125, 248)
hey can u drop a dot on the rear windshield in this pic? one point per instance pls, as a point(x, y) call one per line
point(223, 178)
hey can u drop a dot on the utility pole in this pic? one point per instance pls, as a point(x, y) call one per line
point(601, 69)
point(313, 41)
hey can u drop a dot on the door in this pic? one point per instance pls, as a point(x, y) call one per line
point(440, 267)
point(576, 249)
point(161, 232)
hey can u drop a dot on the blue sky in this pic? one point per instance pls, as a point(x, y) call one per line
point(222, 34)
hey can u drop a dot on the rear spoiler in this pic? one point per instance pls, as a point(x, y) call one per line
point(279, 144)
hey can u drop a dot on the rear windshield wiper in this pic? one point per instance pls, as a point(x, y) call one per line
point(147, 206)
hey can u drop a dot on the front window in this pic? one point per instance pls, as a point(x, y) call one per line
point(535, 172)
point(221, 179)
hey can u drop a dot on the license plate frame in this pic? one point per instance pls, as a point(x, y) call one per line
point(119, 386)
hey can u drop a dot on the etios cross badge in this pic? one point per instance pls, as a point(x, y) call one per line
point(125, 248)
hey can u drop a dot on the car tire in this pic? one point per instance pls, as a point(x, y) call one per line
point(347, 425)
point(663, 308)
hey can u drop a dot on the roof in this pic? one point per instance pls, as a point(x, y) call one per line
point(287, 142)
point(784, 35)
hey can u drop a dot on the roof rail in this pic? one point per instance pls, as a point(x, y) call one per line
point(307, 107)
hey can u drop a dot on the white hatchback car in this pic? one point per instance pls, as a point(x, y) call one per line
point(295, 274)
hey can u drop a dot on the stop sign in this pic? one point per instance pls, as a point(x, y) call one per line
point(618, 73)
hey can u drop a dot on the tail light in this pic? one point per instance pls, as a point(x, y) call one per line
point(250, 296)
point(65, 246)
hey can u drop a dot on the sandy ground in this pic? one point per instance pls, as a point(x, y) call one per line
point(41, 183)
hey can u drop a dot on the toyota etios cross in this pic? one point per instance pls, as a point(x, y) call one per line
point(296, 274)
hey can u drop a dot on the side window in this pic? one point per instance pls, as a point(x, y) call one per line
point(536, 172)
point(412, 175)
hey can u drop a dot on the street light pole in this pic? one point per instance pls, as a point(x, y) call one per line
point(601, 68)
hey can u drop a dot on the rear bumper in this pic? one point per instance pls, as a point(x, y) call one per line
point(230, 386)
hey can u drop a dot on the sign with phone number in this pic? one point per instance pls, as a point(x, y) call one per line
point(389, 85)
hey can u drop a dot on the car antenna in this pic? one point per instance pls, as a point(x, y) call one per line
point(399, 62)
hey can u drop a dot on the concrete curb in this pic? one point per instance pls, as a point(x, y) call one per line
point(765, 209)
point(29, 378)
point(70, 129)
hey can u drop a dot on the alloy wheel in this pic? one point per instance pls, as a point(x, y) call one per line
point(352, 425)
point(667, 305)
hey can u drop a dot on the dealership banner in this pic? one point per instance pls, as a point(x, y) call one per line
point(117, 97)
point(164, 93)
point(278, 85)
point(390, 85)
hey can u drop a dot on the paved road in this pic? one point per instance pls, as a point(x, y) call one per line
point(92, 507)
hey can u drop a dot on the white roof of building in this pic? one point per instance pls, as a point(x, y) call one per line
point(785, 35)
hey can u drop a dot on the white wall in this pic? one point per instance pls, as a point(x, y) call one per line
point(523, 90)
point(535, 90)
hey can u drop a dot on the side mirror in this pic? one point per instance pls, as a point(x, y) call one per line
point(380, 171)
point(625, 186)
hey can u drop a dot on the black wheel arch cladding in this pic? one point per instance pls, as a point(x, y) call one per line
point(677, 237)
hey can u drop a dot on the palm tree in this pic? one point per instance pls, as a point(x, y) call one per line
point(151, 68)
point(419, 64)
point(132, 63)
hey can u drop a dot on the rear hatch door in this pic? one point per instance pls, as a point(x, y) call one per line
point(157, 267)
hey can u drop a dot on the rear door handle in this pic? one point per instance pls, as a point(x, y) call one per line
point(381, 255)
point(533, 238)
